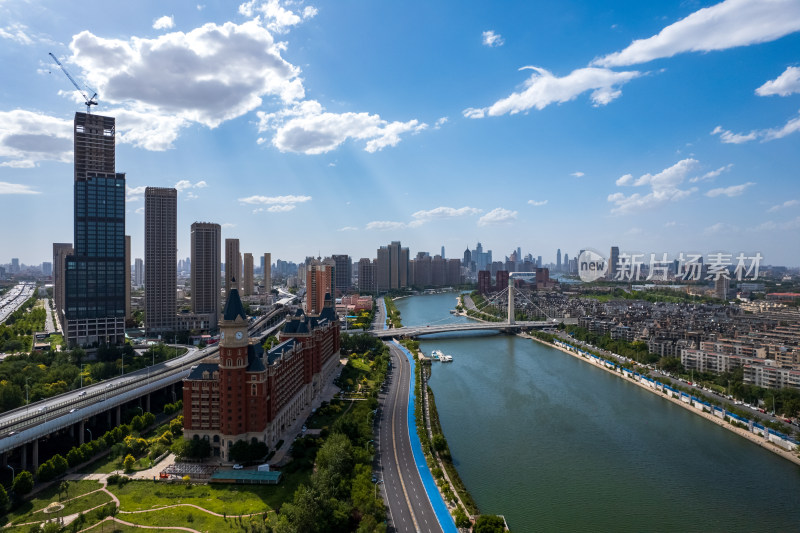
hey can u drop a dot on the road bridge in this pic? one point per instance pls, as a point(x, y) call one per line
point(418, 331)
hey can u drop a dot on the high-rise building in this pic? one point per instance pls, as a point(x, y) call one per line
point(267, 273)
point(206, 253)
point(60, 252)
point(613, 262)
point(721, 288)
point(233, 265)
point(47, 268)
point(344, 274)
point(128, 315)
point(558, 260)
point(94, 303)
point(160, 260)
point(367, 281)
point(247, 276)
point(443, 256)
point(319, 283)
point(138, 273)
point(392, 267)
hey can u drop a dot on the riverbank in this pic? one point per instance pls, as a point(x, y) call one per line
point(767, 445)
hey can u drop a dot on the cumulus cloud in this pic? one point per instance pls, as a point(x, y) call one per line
point(277, 17)
point(439, 123)
point(164, 23)
point(784, 85)
point(720, 227)
point(578, 174)
point(784, 205)
point(385, 225)
point(18, 33)
point(307, 128)
point(492, 39)
point(281, 208)
point(712, 174)
point(543, 89)
point(183, 185)
point(272, 200)
point(16, 188)
point(168, 82)
point(348, 228)
point(728, 137)
point(733, 190)
point(664, 188)
point(535, 203)
point(725, 25)
point(420, 217)
point(771, 225)
point(28, 138)
point(497, 216)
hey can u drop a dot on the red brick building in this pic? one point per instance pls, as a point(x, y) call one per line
point(253, 395)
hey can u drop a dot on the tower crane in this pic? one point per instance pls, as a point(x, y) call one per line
point(89, 101)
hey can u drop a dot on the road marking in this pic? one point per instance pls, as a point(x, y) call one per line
point(397, 462)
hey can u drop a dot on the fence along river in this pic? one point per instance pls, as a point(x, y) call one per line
point(555, 443)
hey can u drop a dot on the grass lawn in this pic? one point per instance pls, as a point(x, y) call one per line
point(183, 517)
point(120, 528)
point(104, 465)
point(230, 499)
point(45, 497)
point(326, 416)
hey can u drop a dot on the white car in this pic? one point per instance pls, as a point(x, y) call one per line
point(237, 467)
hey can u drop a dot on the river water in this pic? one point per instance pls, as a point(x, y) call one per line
point(556, 444)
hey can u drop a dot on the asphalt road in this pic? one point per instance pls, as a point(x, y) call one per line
point(398, 477)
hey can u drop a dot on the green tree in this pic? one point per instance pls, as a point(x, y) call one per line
point(128, 462)
point(63, 487)
point(3, 498)
point(489, 523)
point(23, 483)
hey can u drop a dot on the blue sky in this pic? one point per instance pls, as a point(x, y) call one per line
point(310, 128)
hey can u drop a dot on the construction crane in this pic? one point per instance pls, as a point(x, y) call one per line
point(89, 101)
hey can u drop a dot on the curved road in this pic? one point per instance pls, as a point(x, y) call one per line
point(408, 503)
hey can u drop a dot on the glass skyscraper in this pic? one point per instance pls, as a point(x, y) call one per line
point(95, 273)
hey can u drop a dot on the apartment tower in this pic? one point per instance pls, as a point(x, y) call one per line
point(205, 271)
point(160, 260)
point(233, 265)
point(247, 278)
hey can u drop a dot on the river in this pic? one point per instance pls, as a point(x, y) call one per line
point(556, 444)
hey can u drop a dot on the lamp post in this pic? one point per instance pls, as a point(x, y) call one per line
point(90, 434)
point(13, 474)
point(139, 407)
point(378, 482)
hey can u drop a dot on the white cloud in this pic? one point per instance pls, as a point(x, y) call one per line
point(277, 17)
point(578, 174)
point(534, 203)
point(281, 208)
point(497, 216)
point(139, 210)
point(385, 225)
point(784, 85)
point(309, 129)
point(18, 33)
point(348, 228)
point(624, 180)
point(725, 25)
point(733, 190)
point(771, 225)
point(183, 185)
point(164, 23)
point(28, 138)
point(784, 205)
point(712, 174)
point(670, 224)
point(728, 137)
point(420, 217)
point(664, 188)
point(275, 200)
point(16, 188)
point(176, 79)
point(228, 225)
point(492, 39)
point(440, 122)
point(720, 227)
point(543, 89)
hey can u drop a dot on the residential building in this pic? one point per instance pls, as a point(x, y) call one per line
point(233, 265)
point(60, 252)
point(344, 274)
point(138, 273)
point(367, 280)
point(248, 288)
point(267, 273)
point(319, 283)
point(392, 267)
point(160, 260)
point(205, 278)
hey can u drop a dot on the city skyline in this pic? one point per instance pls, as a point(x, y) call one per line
point(659, 129)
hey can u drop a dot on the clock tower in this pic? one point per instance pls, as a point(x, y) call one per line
point(233, 360)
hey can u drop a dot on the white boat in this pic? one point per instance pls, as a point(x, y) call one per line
point(436, 355)
point(446, 358)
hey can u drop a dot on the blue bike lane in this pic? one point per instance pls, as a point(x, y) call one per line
point(435, 497)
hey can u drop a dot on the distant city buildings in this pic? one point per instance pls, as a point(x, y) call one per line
point(160, 260)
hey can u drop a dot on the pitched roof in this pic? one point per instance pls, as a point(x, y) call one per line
point(233, 307)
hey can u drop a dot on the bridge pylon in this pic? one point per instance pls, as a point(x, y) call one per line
point(510, 300)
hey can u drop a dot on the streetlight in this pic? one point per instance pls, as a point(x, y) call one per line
point(139, 407)
point(90, 434)
point(13, 474)
point(378, 482)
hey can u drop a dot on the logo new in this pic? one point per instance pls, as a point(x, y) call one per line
point(591, 266)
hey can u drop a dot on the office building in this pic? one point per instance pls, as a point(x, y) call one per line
point(233, 265)
point(128, 315)
point(367, 280)
point(558, 260)
point(47, 268)
point(344, 274)
point(205, 278)
point(247, 275)
point(94, 303)
point(160, 260)
point(613, 262)
point(267, 273)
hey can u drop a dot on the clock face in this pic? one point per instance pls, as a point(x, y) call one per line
point(221, 334)
point(239, 335)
